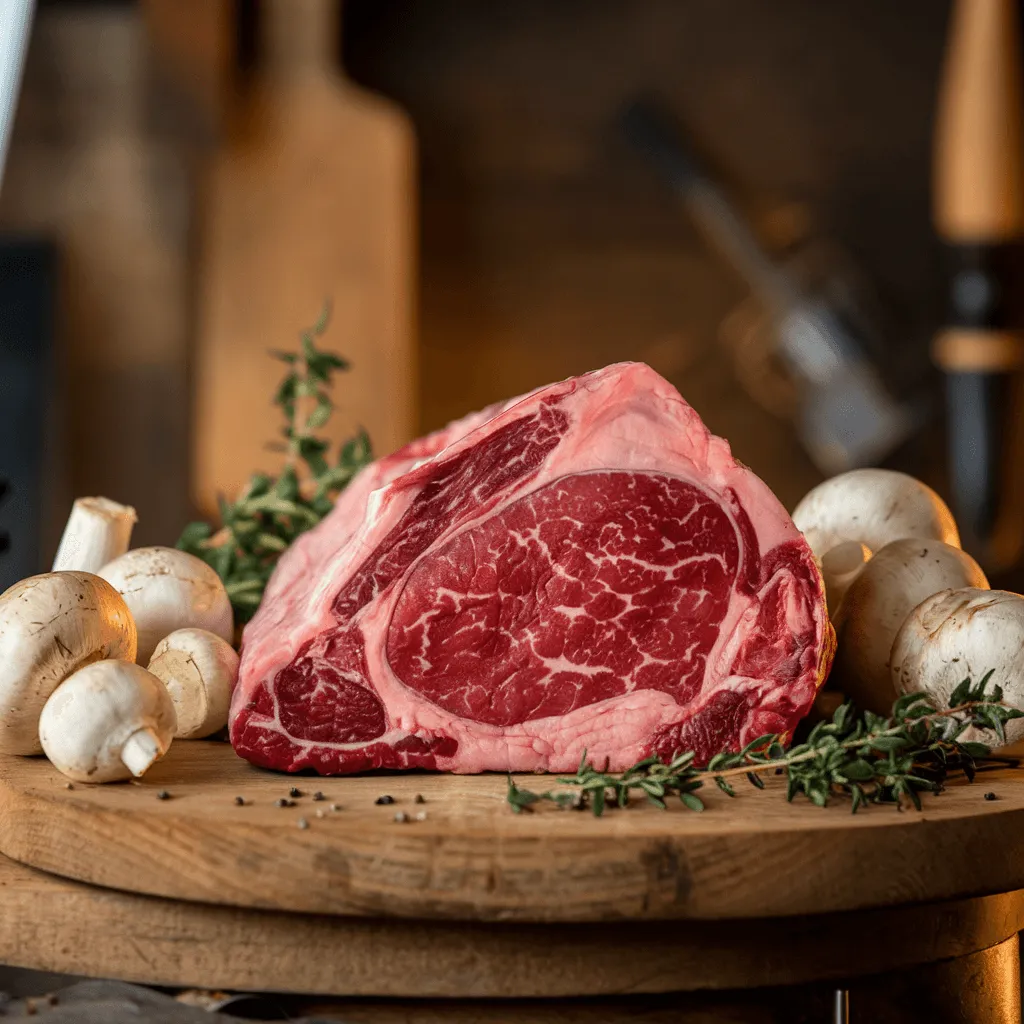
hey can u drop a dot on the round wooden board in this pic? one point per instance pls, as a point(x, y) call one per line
point(472, 858)
point(49, 923)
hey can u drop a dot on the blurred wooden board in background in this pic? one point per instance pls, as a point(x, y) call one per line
point(309, 200)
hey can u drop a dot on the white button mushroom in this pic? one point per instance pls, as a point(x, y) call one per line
point(98, 531)
point(50, 626)
point(108, 721)
point(873, 507)
point(199, 670)
point(166, 589)
point(959, 634)
point(839, 568)
point(896, 580)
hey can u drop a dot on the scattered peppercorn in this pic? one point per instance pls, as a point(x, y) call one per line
point(69, 785)
point(778, 771)
point(384, 800)
point(295, 791)
point(991, 796)
point(420, 798)
point(284, 802)
point(421, 816)
point(302, 823)
point(401, 816)
point(335, 807)
point(240, 800)
point(319, 796)
point(163, 795)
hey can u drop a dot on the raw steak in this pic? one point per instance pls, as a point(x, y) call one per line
point(583, 567)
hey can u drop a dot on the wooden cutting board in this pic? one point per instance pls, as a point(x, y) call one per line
point(472, 858)
point(311, 200)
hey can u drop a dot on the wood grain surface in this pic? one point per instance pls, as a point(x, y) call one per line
point(755, 856)
point(49, 923)
point(311, 200)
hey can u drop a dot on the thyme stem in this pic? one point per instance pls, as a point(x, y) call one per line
point(865, 757)
point(271, 512)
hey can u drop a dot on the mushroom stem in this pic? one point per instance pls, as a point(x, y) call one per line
point(97, 531)
point(141, 751)
point(839, 568)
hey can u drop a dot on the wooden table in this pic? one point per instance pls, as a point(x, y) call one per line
point(475, 903)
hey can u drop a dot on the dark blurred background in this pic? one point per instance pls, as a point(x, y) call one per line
point(542, 244)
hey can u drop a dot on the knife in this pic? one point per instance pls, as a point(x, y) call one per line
point(847, 418)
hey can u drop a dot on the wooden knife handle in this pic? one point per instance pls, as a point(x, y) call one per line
point(979, 213)
point(979, 155)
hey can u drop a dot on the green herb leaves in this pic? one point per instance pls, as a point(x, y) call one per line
point(653, 778)
point(865, 758)
point(270, 513)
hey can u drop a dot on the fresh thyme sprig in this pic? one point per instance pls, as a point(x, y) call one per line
point(270, 513)
point(864, 757)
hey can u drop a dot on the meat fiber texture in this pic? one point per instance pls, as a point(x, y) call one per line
point(586, 567)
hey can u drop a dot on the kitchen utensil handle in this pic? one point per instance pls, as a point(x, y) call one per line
point(651, 130)
point(978, 195)
point(299, 36)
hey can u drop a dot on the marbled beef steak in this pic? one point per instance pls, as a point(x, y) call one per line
point(583, 567)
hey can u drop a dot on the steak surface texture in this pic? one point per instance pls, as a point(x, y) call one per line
point(584, 567)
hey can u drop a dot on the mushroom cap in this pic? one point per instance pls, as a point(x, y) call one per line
point(873, 507)
point(90, 717)
point(50, 626)
point(960, 634)
point(199, 670)
point(165, 590)
point(892, 584)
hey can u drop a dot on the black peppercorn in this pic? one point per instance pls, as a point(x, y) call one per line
point(295, 791)
point(163, 795)
point(991, 796)
point(240, 800)
point(284, 802)
point(318, 795)
point(420, 799)
point(384, 800)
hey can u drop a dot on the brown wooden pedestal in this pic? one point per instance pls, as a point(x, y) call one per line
point(478, 915)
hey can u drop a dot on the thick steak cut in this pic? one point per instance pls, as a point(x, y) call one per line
point(583, 567)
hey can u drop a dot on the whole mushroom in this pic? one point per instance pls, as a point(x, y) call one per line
point(166, 589)
point(873, 507)
point(109, 721)
point(892, 584)
point(199, 670)
point(960, 634)
point(50, 626)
